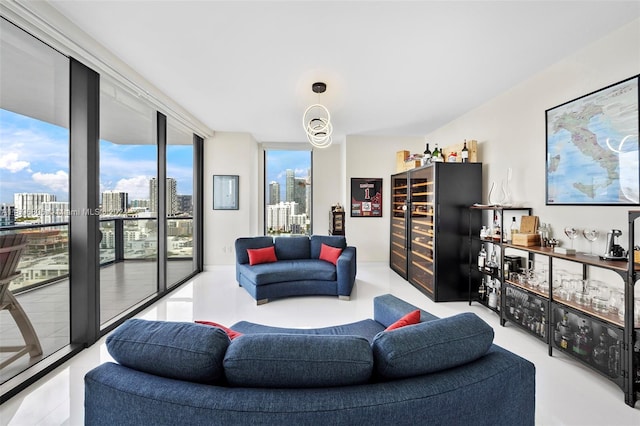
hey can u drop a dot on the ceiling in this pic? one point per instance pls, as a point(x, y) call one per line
point(391, 67)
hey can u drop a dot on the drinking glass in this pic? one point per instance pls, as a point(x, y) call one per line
point(591, 235)
point(572, 233)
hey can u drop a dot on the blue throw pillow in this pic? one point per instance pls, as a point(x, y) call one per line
point(431, 346)
point(178, 350)
point(298, 361)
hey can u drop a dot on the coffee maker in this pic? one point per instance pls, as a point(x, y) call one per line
point(613, 250)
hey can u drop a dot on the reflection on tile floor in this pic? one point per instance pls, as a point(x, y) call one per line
point(567, 393)
point(123, 285)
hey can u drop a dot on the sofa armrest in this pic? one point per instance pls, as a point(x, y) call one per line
point(346, 271)
point(387, 309)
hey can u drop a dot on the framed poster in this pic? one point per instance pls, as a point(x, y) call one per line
point(225, 192)
point(366, 197)
point(592, 150)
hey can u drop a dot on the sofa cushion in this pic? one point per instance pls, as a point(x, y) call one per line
point(411, 318)
point(330, 254)
point(288, 248)
point(298, 361)
point(177, 350)
point(262, 255)
point(316, 241)
point(367, 328)
point(431, 346)
point(244, 243)
point(289, 270)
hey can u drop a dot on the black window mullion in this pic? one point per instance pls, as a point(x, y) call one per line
point(84, 191)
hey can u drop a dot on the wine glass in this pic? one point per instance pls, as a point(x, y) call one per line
point(572, 233)
point(591, 235)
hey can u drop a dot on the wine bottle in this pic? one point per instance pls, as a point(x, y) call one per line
point(426, 158)
point(436, 155)
point(465, 153)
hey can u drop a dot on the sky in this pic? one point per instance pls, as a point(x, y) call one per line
point(279, 161)
point(34, 158)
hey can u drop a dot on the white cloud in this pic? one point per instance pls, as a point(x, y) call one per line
point(58, 181)
point(137, 187)
point(9, 161)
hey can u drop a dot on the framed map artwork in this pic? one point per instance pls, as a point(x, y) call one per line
point(366, 197)
point(592, 148)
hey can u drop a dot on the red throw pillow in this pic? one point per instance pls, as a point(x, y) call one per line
point(330, 254)
point(409, 319)
point(262, 255)
point(231, 333)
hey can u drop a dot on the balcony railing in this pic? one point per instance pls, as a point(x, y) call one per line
point(46, 258)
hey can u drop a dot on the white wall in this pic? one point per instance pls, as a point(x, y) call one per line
point(327, 180)
point(511, 130)
point(229, 154)
point(373, 157)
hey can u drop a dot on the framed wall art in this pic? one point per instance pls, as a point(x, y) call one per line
point(225, 192)
point(366, 197)
point(592, 150)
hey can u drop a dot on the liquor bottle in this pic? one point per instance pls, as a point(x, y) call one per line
point(497, 231)
point(493, 262)
point(465, 153)
point(482, 290)
point(482, 258)
point(514, 229)
point(426, 159)
point(493, 299)
point(437, 154)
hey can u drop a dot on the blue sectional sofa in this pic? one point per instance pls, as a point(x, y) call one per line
point(437, 372)
point(298, 270)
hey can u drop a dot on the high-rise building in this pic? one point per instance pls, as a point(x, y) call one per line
point(279, 216)
point(114, 203)
point(274, 193)
point(30, 204)
point(290, 185)
point(7, 215)
point(300, 194)
point(171, 194)
point(185, 204)
point(54, 212)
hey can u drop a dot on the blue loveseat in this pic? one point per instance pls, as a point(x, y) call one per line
point(298, 270)
point(437, 372)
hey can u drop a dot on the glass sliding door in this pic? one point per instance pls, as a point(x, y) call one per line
point(34, 198)
point(129, 199)
point(179, 197)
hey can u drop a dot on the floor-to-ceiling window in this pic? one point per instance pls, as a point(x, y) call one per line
point(287, 192)
point(129, 199)
point(86, 163)
point(34, 192)
point(180, 182)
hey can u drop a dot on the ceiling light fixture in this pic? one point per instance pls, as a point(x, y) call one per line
point(316, 120)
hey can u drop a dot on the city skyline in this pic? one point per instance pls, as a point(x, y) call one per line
point(34, 158)
point(279, 161)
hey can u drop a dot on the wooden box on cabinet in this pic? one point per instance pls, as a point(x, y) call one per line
point(401, 157)
point(526, 240)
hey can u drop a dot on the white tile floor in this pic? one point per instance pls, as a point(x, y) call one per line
point(566, 394)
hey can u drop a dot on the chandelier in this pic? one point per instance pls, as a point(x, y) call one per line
point(316, 121)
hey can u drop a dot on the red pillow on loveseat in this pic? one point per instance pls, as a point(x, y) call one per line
point(262, 255)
